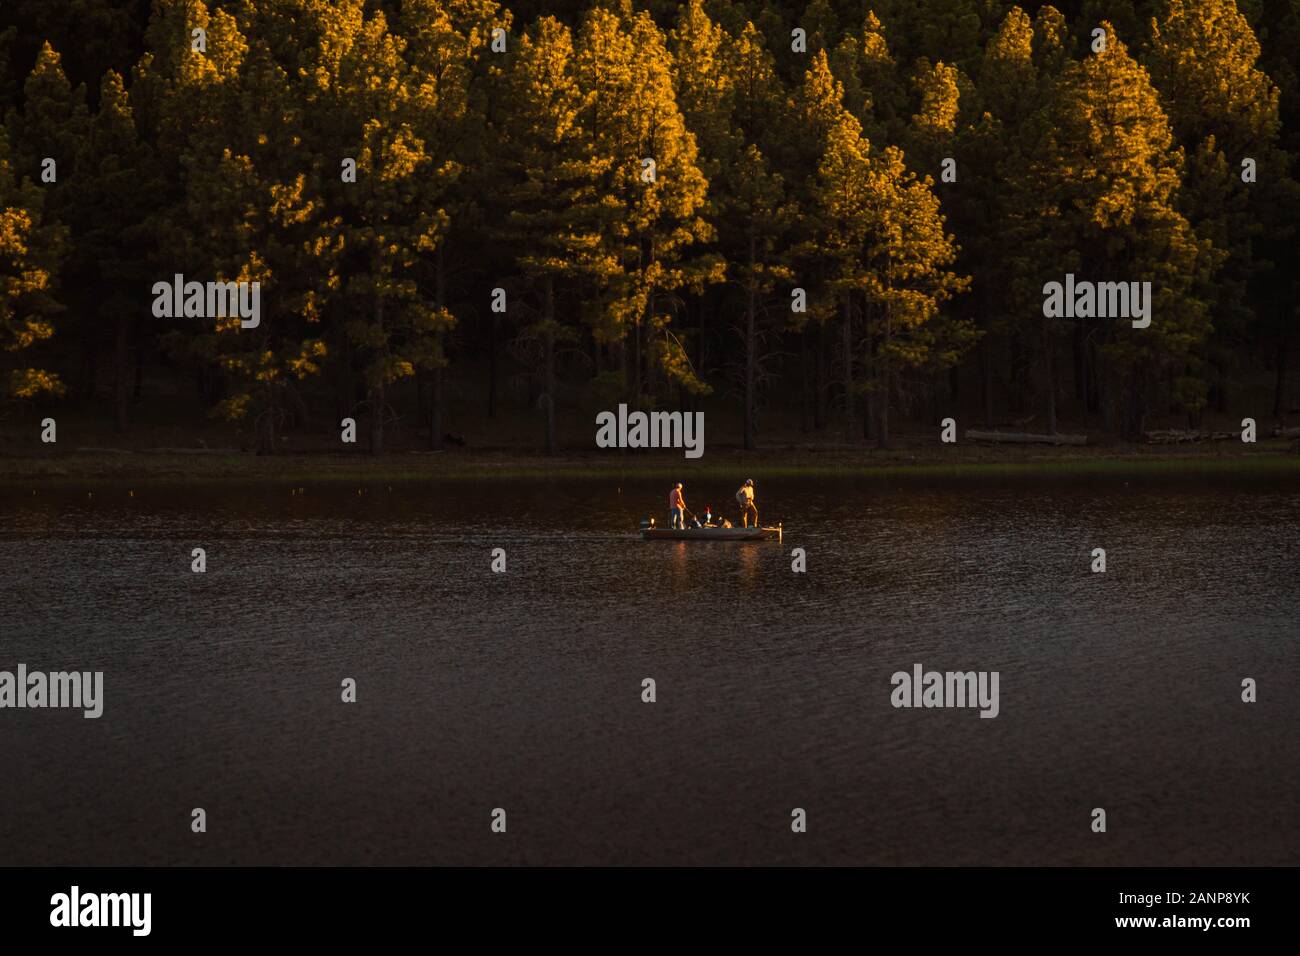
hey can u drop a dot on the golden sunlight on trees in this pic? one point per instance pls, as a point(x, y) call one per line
point(840, 216)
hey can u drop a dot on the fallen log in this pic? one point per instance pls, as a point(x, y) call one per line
point(1023, 438)
point(1166, 436)
point(191, 451)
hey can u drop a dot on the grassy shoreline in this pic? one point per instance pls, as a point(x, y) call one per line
point(1267, 460)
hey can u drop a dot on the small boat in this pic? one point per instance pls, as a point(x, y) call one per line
point(651, 533)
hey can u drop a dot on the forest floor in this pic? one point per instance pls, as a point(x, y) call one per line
point(85, 455)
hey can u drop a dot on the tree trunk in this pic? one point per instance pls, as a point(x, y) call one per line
point(121, 385)
point(1049, 378)
point(703, 325)
point(85, 387)
point(1085, 380)
point(377, 420)
point(1133, 422)
point(492, 366)
point(436, 379)
point(1024, 438)
point(846, 306)
point(1094, 383)
point(1013, 374)
point(886, 382)
point(1080, 376)
point(437, 376)
point(345, 385)
point(871, 413)
point(751, 352)
point(820, 384)
point(302, 414)
point(1279, 383)
point(1221, 393)
point(986, 380)
point(635, 398)
point(266, 423)
point(548, 398)
point(805, 406)
point(377, 395)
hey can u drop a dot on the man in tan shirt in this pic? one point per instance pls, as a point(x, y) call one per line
point(745, 498)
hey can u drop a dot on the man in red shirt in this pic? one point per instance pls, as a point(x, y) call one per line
point(676, 507)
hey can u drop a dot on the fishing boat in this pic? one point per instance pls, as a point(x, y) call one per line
point(649, 532)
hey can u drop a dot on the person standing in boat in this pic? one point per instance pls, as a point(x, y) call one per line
point(745, 498)
point(676, 507)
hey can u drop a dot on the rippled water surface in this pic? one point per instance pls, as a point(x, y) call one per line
point(523, 690)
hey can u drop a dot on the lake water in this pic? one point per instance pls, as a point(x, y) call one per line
point(523, 690)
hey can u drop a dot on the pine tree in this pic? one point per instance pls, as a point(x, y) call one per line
point(732, 99)
point(819, 22)
point(95, 35)
point(1223, 109)
point(758, 210)
point(704, 89)
point(1017, 79)
point(1006, 74)
point(945, 29)
point(940, 140)
point(395, 218)
point(819, 107)
point(225, 113)
point(556, 214)
point(863, 65)
point(117, 187)
point(910, 257)
point(882, 229)
point(1276, 291)
point(655, 189)
point(53, 119)
point(1203, 59)
point(1107, 178)
point(708, 97)
point(8, 84)
point(30, 254)
point(932, 131)
point(48, 135)
point(448, 45)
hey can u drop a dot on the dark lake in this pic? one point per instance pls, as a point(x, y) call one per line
point(523, 690)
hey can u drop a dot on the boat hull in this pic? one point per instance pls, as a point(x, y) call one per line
point(711, 534)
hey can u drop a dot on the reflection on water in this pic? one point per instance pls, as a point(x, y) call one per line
point(523, 690)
